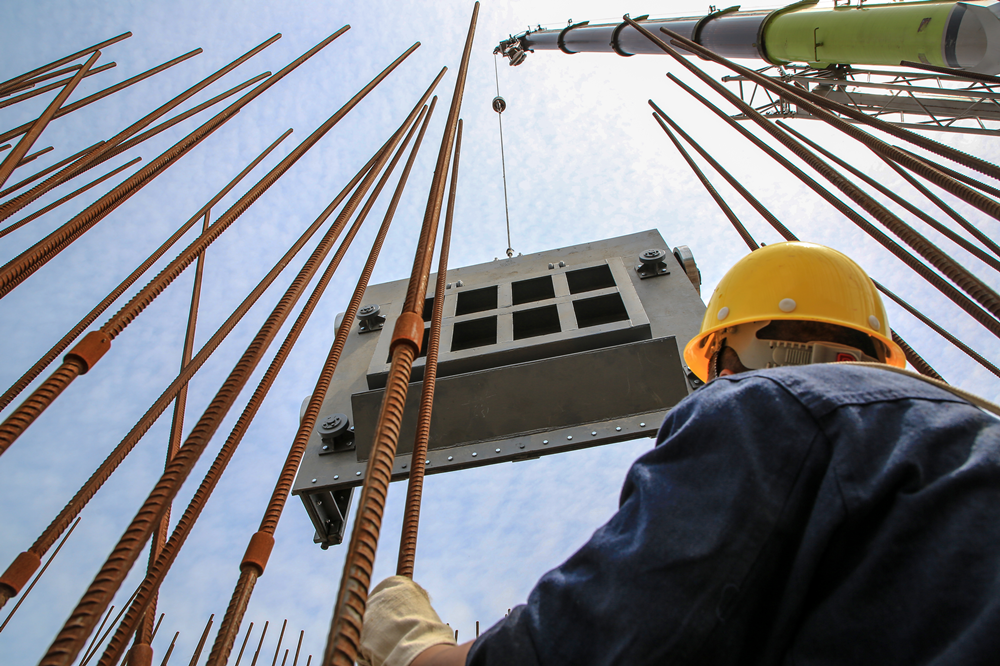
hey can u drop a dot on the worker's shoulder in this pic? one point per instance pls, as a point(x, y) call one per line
point(823, 388)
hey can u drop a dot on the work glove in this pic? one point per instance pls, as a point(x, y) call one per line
point(399, 624)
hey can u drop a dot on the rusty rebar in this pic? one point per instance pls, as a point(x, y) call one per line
point(165, 559)
point(261, 643)
point(415, 484)
point(95, 645)
point(915, 359)
point(62, 61)
point(101, 152)
point(201, 641)
point(51, 388)
point(735, 221)
point(277, 648)
point(298, 648)
point(74, 632)
point(55, 204)
point(111, 463)
point(34, 81)
point(789, 236)
point(244, 646)
point(940, 331)
point(964, 223)
point(93, 641)
point(40, 574)
point(27, 159)
point(733, 182)
point(817, 106)
point(159, 537)
point(957, 175)
point(170, 649)
point(942, 285)
point(35, 128)
point(48, 170)
point(52, 86)
point(92, 316)
point(101, 94)
point(345, 628)
point(914, 210)
point(249, 572)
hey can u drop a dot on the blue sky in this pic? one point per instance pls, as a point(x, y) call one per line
point(584, 161)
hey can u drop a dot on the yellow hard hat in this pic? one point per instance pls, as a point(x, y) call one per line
point(793, 281)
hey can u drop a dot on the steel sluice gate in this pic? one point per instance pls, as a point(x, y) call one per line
point(539, 354)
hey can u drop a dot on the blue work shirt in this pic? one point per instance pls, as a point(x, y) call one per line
point(824, 514)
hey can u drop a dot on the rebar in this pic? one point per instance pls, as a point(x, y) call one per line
point(34, 81)
point(964, 223)
point(249, 572)
point(55, 204)
point(298, 647)
point(101, 94)
point(257, 653)
point(43, 396)
point(915, 359)
point(74, 632)
point(48, 170)
point(244, 646)
point(957, 175)
point(165, 559)
point(52, 86)
point(27, 159)
point(92, 316)
point(415, 484)
point(817, 106)
point(5, 85)
point(277, 648)
point(736, 185)
point(101, 152)
point(40, 574)
point(914, 210)
point(345, 628)
point(35, 128)
point(954, 294)
point(735, 221)
point(166, 655)
point(201, 641)
point(940, 331)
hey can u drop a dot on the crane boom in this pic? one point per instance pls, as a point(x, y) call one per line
point(962, 35)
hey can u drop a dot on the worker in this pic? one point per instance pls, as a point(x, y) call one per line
point(792, 511)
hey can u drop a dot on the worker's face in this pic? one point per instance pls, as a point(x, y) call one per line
point(729, 363)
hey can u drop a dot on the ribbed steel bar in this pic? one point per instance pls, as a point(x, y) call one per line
point(259, 645)
point(160, 534)
point(345, 628)
point(969, 283)
point(115, 458)
point(957, 175)
point(250, 571)
point(72, 366)
point(104, 471)
point(165, 559)
point(34, 156)
point(101, 94)
point(55, 204)
point(99, 309)
point(52, 86)
point(48, 170)
point(940, 331)
point(157, 627)
point(201, 641)
point(62, 61)
point(733, 182)
point(40, 574)
point(916, 361)
point(277, 648)
point(244, 646)
point(735, 221)
point(31, 83)
point(936, 280)
point(415, 484)
point(93, 641)
point(35, 128)
point(914, 210)
point(964, 223)
point(78, 626)
point(170, 649)
point(298, 648)
point(817, 106)
point(91, 159)
point(90, 653)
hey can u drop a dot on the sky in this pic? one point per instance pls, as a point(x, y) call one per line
point(584, 162)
